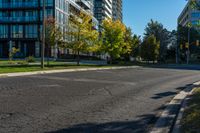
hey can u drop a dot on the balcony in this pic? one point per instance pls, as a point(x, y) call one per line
point(84, 4)
point(18, 5)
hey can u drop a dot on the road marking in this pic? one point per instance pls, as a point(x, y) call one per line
point(56, 85)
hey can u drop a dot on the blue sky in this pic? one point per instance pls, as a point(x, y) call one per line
point(137, 13)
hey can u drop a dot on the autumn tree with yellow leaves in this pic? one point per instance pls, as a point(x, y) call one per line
point(81, 34)
point(113, 39)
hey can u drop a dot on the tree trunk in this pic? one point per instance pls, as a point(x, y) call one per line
point(78, 58)
point(48, 55)
point(111, 59)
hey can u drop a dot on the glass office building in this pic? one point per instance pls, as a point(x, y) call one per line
point(189, 15)
point(21, 22)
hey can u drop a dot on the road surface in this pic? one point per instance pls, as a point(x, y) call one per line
point(106, 101)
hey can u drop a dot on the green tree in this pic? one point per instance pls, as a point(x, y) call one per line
point(82, 37)
point(172, 47)
point(136, 46)
point(132, 41)
point(183, 41)
point(113, 37)
point(53, 37)
point(162, 35)
point(12, 53)
point(150, 49)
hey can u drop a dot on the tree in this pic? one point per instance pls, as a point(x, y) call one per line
point(82, 37)
point(161, 34)
point(150, 49)
point(12, 53)
point(132, 41)
point(183, 41)
point(113, 37)
point(172, 49)
point(136, 46)
point(54, 35)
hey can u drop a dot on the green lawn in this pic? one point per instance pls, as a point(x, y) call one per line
point(13, 69)
point(191, 118)
point(22, 66)
point(23, 62)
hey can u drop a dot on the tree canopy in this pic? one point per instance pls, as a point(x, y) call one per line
point(81, 34)
point(150, 48)
point(161, 34)
point(115, 38)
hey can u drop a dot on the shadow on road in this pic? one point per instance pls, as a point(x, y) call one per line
point(112, 127)
point(174, 66)
point(164, 94)
point(143, 124)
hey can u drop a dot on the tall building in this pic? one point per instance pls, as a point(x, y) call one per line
point(21, 22)
point(189, 15)
point(108, 9)
point(103, 9)
point(117, 10)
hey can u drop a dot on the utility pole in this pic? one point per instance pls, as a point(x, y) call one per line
point(43, 37)
point(177, 47)
point(188, 51)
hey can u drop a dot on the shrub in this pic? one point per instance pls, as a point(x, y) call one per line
point(22, 63)
point(30, 59)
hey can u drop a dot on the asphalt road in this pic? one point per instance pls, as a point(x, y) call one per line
point(107, 101)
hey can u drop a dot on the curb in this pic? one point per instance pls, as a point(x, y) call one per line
point(170, 118)
point(62, 70)
point(176, 128)
point(177, 125)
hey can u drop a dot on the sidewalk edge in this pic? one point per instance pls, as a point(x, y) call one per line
point(177, 124)
point(62, 70)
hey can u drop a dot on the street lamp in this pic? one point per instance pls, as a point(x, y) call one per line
point(43, 37)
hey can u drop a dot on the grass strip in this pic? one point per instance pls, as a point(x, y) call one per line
point(191, 117)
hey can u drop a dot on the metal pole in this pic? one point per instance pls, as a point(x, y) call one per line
point(177, 53)
point(177, 47)
point(188, 51)
point(43, 37)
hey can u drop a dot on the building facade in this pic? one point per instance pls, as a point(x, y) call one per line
point(103, 9)
point(21, 22)
point(117, 10)
point(189, 15)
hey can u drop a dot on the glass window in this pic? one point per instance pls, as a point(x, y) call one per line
point(31, 31)
point(17, 31)
point(4, 31)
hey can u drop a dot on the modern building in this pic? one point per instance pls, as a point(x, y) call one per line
point(189, 15)
point(21, 22)
point(117, 10)
point(103, 9)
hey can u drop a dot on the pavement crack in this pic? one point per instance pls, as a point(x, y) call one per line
point(108, 91)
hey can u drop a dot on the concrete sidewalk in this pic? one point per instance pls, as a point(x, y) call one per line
point(63, 70)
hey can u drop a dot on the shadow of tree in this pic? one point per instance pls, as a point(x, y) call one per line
point(164, 94)
point(138, 126)
point(143, 124)
point(174, 66)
